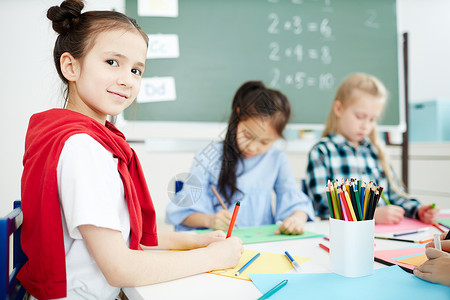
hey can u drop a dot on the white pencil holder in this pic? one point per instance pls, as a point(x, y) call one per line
point(352, 247)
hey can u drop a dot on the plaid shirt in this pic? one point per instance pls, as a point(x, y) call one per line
point(333, 157)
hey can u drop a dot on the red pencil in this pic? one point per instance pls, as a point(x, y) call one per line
point(233, 218)
point(324, 247)
point(437, 226)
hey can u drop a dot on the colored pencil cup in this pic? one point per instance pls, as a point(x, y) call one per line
point(352, 247)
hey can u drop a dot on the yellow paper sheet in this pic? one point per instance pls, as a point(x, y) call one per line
point(266, 263)
point(417, 260)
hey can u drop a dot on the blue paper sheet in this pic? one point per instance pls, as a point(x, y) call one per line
point(386, 283)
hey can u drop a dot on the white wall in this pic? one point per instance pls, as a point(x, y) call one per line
point(28, 80)
point(427, 23)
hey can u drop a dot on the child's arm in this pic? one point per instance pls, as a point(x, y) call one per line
point(219, 221)
point(410, 206)
point(436, 269)
point(185, 241)
point(389, 214)
point(123, 267)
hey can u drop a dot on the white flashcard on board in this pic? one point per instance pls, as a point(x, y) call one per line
point(158, 8)
point(163, 46)
point(154, 89)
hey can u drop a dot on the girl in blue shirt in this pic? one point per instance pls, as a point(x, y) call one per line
point(246, 168)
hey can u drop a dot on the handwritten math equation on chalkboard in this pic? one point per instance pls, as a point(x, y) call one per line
point(201, 51)
point(298, 53)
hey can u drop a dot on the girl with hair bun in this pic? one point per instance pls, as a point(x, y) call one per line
point(87, 211)
point(245, 167)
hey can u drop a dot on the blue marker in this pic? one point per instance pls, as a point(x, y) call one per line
point(247, 264)
point(293, 262)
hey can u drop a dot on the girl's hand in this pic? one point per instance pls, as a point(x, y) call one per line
point(445, 244)
point(436, 269)
point(427, 214)
point(226, 253)
point(294, 224)
point(389, 214)
point(221, 220)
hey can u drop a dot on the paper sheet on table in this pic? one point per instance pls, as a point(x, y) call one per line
point(267, 262)
point(405, 225)
point(264, 234)
point(444, 219)
point(391, 255)
point(385, 283)
point(416, 260)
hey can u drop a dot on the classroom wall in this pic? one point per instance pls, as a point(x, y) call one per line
point(29, 83)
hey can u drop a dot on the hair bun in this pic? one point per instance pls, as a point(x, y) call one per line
point(65, 16)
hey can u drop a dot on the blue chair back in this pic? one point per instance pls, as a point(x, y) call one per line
point(10, 287)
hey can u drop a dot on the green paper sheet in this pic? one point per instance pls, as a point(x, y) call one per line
point(264, 234)
point(445, 221)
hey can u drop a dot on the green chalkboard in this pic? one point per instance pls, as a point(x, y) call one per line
point(302, 47)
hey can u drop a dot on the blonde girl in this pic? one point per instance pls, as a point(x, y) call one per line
point(350, 147)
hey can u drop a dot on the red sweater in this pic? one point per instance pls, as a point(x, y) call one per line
point(44, 274)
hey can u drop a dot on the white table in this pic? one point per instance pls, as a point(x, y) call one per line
point(210, 286)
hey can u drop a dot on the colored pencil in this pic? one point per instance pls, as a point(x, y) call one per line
point(273, 290)
point(425, 241)
point(370, 205)
point(337, 202)
point(437, 226)
point(350, 206)
point(410, 232)
point(218, 197)
point(385, 199)
point(353, 200)
point(362, 194)
point(233, 218)
point(395, 239)
point(358, 204)
point(324, 247)
point(366, 200)
point(376, 198)
point(444, 225)
point(330, 202)
point(247, 264)
point(344, 206)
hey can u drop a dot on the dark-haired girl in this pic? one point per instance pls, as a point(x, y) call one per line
point(245, 167)
point(86, 206)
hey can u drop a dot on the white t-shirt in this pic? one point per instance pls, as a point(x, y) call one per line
point(91, 192)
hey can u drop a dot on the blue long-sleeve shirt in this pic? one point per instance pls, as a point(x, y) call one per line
point(260, 178)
